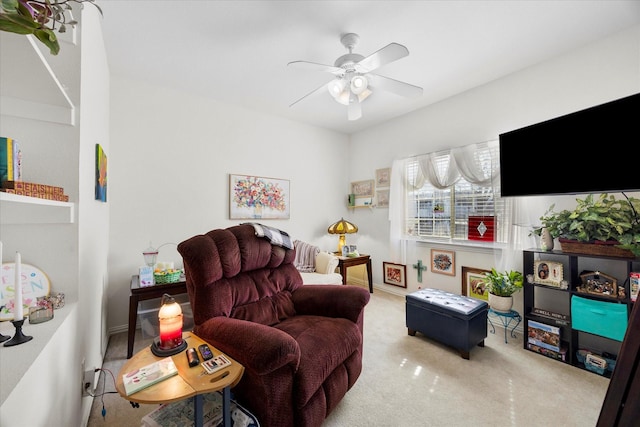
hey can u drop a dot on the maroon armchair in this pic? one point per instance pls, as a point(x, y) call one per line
point(301, 346)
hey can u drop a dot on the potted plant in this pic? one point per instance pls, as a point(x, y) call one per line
point(40, 18)
point(604, 221)
point(501, 287)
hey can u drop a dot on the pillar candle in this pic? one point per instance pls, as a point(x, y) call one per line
point(17, 285)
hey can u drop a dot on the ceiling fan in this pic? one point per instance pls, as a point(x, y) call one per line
point(354, 81)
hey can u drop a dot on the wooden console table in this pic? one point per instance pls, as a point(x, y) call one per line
point(145, 293)
point(345, 262)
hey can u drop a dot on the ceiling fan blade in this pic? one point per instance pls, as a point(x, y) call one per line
point(313, 66)
point(389, 53)
point(354, 109)
point(320, 89)
point(394, 86)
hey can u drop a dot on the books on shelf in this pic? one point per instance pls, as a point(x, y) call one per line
point(558, 355)
point(558, 317)
point(10, 159)
point(634, 285)
point(149, 375)
point(543, 335)
point(34, 189)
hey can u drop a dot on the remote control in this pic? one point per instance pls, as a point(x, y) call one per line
point(205, 352)
point(192, 357)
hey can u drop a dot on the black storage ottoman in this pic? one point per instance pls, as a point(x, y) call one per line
point(454, 320)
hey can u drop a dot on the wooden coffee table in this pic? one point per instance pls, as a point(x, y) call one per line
point(189, 381)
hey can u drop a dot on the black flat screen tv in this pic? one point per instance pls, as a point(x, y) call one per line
point(589, 151)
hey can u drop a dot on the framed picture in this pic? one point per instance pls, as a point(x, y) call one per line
point(472, 285)
point(382, 198)
point(101, 174)
point(256, 197)
point(383, 177)
point(443, 262)
point(362, 188)
point(548, 272)
point(394, 274)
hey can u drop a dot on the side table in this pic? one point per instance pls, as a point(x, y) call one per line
point(506, 318)
point(189, 381)
point(138, 294)
point(345, 262)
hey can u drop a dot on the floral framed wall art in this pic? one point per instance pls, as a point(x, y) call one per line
point(382, 198)
point(383, 177)
point(472, 283)
point(443, 262)
point(394, 274)
point(362, 188)
point(256, 197)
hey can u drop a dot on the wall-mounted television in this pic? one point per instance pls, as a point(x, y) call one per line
point(589, 151)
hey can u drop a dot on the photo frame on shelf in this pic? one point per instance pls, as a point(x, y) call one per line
point(363, 189)
point(472, 283)
point(394, 274)
point(443, 262)
point(382, 198)
point(383, 177)
point(257, 197)
point(548, 272)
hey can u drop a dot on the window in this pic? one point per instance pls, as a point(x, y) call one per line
point(442, 190)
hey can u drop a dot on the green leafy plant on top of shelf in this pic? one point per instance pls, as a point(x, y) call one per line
point(604, 219)
point(503, 284)
point(40, 18)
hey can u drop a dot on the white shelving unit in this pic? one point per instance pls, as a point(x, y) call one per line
point(31, 210)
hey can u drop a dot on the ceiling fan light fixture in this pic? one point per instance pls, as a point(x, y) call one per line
point(336, 87)
point(359, 84)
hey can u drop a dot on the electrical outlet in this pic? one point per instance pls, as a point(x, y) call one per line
point(88, 383)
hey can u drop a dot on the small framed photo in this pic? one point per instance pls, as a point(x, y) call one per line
point(394, 274)
point(383, 177)
point(473, 283)
point(443, 262)
point(548, 273)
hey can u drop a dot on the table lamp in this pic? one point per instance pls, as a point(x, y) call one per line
point(342, 227)
point(170, 341)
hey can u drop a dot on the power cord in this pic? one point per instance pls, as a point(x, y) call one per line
point(101, 395)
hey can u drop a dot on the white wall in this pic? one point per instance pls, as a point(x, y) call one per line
point(171, 154)
point(601, 72)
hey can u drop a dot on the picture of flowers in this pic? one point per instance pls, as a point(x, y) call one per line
point(254, 197)
point(395, 274)
point(443, 262)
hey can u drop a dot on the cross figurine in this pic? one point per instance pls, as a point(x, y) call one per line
point(420, 269)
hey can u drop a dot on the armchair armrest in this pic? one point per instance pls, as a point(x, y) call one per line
point(331, 301)
point(326, 263)
point(261, 348)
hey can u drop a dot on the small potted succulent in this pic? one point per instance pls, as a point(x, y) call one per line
point(501, 287)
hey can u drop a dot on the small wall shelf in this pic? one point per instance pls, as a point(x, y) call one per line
point(32, 210)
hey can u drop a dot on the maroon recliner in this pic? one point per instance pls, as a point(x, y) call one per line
point(301, 346)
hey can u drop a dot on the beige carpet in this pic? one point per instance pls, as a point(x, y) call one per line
point(413, 381)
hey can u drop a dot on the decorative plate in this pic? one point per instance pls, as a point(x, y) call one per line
point(35, 283)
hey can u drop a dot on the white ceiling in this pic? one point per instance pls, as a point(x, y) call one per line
point(236, 52)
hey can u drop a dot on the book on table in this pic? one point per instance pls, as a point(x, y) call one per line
point(149, 375)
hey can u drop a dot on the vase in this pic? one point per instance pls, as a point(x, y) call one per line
point(501, 304)
point(546, 241)
point(257, 211)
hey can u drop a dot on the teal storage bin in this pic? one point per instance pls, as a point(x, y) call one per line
point(599, 317)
